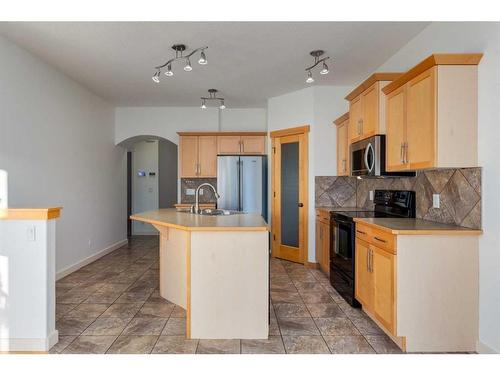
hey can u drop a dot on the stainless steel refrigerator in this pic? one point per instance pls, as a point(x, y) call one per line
point(242, 183)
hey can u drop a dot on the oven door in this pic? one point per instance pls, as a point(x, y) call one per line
point(342, 248)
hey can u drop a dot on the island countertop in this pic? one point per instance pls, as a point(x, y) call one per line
point(416, 226)
point(171, 217)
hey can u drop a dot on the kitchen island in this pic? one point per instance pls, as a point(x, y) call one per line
point(217, 268)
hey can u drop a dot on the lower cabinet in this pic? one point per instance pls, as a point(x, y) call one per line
point(323, 242)
point(375, 282)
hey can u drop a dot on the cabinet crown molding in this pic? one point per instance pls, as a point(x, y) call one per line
point(220, 133)
point(429, 62)
point(375, 77)
point(341, 119)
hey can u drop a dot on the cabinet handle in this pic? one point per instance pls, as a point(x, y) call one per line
point(360, 232)
point(368, 260)
point(401, 153)
point(361, 127)
point(344, 165)
point(405, 153)
point(371, 260)
point(380, 239)
point(242, 148)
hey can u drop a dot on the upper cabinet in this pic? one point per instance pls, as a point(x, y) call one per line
point(367, 107)
point(243, 144)
point(342, 124)
point(198, 156)
point(198, 150)
point(431, 114)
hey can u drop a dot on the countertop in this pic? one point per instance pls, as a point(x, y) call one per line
point(341, 209)
point(416, 226)
point(171, 217)
point(39, 213)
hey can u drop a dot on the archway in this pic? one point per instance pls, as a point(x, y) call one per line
point(151, 177)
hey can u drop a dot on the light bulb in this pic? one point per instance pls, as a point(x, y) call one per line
point(203, 105)
point(325, 69)
point(203, 59)
point(156, 77)
point(169, 72)
point(188, 66)
point(222, 106)
point(310, 78)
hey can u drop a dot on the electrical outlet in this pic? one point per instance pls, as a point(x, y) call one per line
point(31, 233)
point(90, 244)
point(435, 200)
point(190, 191)
point(371, 195)
point(201, 191)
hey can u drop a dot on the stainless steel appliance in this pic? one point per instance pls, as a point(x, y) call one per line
point(368, 158)
point(242, 183)
point(388, 203)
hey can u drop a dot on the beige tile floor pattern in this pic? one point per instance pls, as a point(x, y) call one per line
point(113, 306)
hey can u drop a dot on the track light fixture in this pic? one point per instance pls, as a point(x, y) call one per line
point(212, 95)
point(179, 55)
point(317, 60)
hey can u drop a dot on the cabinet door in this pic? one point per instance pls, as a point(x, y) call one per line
point(343, 149)
point(229, 144)
point(325, 264)
point(395, 123)
point(383, 265)
point(421, 120)
point(355, 114)
point(370, 116)
point(319, 242)
point(253, 144)
point(207, 156)
point(189, 156)
point(363, 278)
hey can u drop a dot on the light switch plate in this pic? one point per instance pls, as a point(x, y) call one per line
point(190, 191)
point(435, 200)
point(31, 233)
point(371, 195)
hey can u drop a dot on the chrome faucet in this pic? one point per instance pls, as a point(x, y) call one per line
point(196, 208)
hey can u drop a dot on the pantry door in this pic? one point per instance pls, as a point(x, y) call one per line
point(289, 194)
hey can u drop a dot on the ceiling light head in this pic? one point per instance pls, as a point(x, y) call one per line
point(203, 59)
point(169, 72)
point(203, 104)
point(222, 106)
point(188, 66)
point(156, 77)
point(324, 70)
point(310, 78)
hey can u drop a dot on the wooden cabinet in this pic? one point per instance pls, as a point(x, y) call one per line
point(375, 280)
point(431, 119)
point(241, 144)
point(367, 107)
point(198, 156)
point(323, 240)
point(342, 123)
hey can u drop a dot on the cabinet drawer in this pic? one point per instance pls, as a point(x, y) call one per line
point(383, 240)
point(377, 237)
point(323, 215)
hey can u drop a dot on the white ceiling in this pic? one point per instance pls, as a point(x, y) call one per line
point(247, 61)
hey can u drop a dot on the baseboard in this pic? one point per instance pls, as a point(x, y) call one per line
point(482, 348)
point(66, 271)
point(312, 265)
point(29, 345)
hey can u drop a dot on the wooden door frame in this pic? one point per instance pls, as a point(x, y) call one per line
point(303, 136)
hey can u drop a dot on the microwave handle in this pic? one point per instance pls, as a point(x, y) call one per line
point(369, 148)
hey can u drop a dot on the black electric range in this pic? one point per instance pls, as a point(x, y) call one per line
point(388, 203)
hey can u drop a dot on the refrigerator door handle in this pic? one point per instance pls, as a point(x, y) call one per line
point(241, 185)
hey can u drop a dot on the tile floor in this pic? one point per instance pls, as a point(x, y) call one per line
point(113, 306)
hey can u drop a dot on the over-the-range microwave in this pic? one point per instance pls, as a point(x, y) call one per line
point(368, 158)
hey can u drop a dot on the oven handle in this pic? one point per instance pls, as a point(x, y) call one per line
point(342, 221)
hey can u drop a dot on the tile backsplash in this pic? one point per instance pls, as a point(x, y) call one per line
point(192, 183)
point(459, 190)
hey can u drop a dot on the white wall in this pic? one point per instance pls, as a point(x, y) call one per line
point(167, 121)
point(474, 37)
point(145, 195)
point(316, 106)
point(57, 146)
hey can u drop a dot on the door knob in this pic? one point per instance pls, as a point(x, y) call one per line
point(301, 204)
